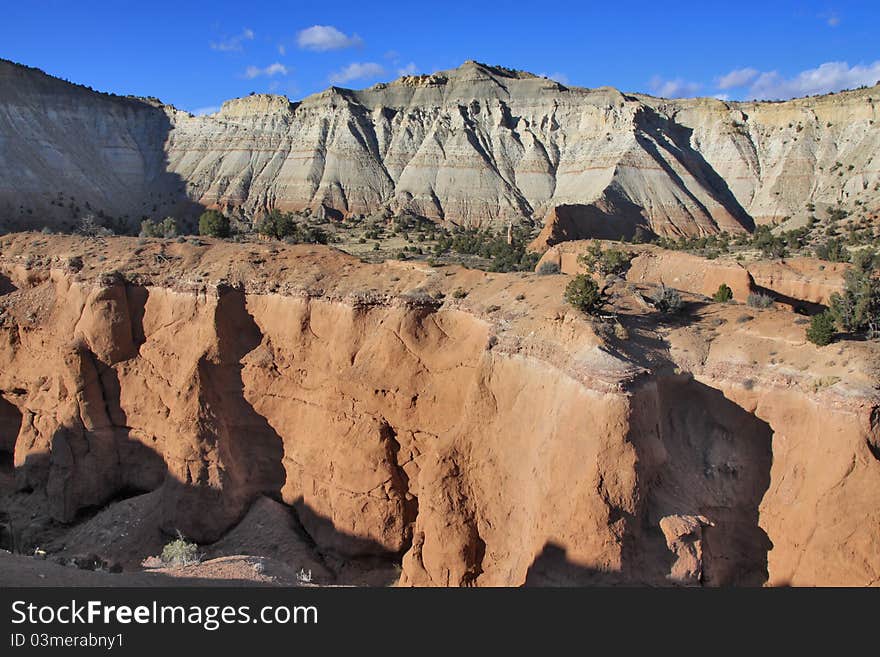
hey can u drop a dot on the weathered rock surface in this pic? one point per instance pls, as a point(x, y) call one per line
point(792, 282)
point(801, 278)
point(498, 439)
point(473, 145)
point(655, 266)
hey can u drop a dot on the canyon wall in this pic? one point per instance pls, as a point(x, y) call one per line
point(498, 438)
point(477, 145)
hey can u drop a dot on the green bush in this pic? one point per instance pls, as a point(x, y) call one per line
point(492, 246)
point(213, 224)
point(858, 308)
point(833, 251)
point(165, 228)
point(180, 552)
point(583, 293)
point(277, 224)
point(610, 261)
point(821, 329)
point(724, 294)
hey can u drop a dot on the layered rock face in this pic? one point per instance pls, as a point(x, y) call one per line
point(495, 439)
point(476, 145)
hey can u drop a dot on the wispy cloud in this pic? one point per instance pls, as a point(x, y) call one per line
point(271, 70)
point(321, 38)
point(832, 19)
point(210, 109)
point(234, 43)
point(561, 78)
point(737, 78)
point(830, 76)
point(677, 88)
point(357, 71)
point(409, 69)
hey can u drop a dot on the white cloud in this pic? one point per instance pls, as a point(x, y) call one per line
point(561, 78)
point(357, 71)
point(326, 37)
point(273, 69)
point(201, 111)
point(677, 88)
point(721, 97)
point(830, 76)
point(409, 69)
point(737, 78)
point(233, 43)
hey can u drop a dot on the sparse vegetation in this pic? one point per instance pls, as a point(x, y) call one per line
point(604, 262)
point(724, 294)
point(832, 250)
point(582, 292)
point(165, 228)
point(180, 552)
point(821, 329)
point(277, 225)
point(213, 223)
point(857, 309)
point(759, 300)
point(503, 256)
point(667, 300)
point(91, 227)
point(548, 268)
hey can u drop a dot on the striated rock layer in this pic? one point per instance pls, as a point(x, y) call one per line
point(495, 439)
point(476, 145)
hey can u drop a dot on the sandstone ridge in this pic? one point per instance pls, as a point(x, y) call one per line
point(513, 441)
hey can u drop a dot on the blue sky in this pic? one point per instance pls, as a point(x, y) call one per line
point(195, 55)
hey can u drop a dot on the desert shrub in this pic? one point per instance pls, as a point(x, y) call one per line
point(771, 246)
point(833, 251)
point(213, 224)
point(165, 228)
point(548, 268)
point(858, 307)
point(277, 224)
point(759, 300)
point(180, 552)
point(821, 329)
point(74, 263)
point(609, 261)
point(91, 227)
point(583, 293)
point(836, 214)
point(724, 294)
point(492, 246)
point(667, 300)
point(459, 294)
